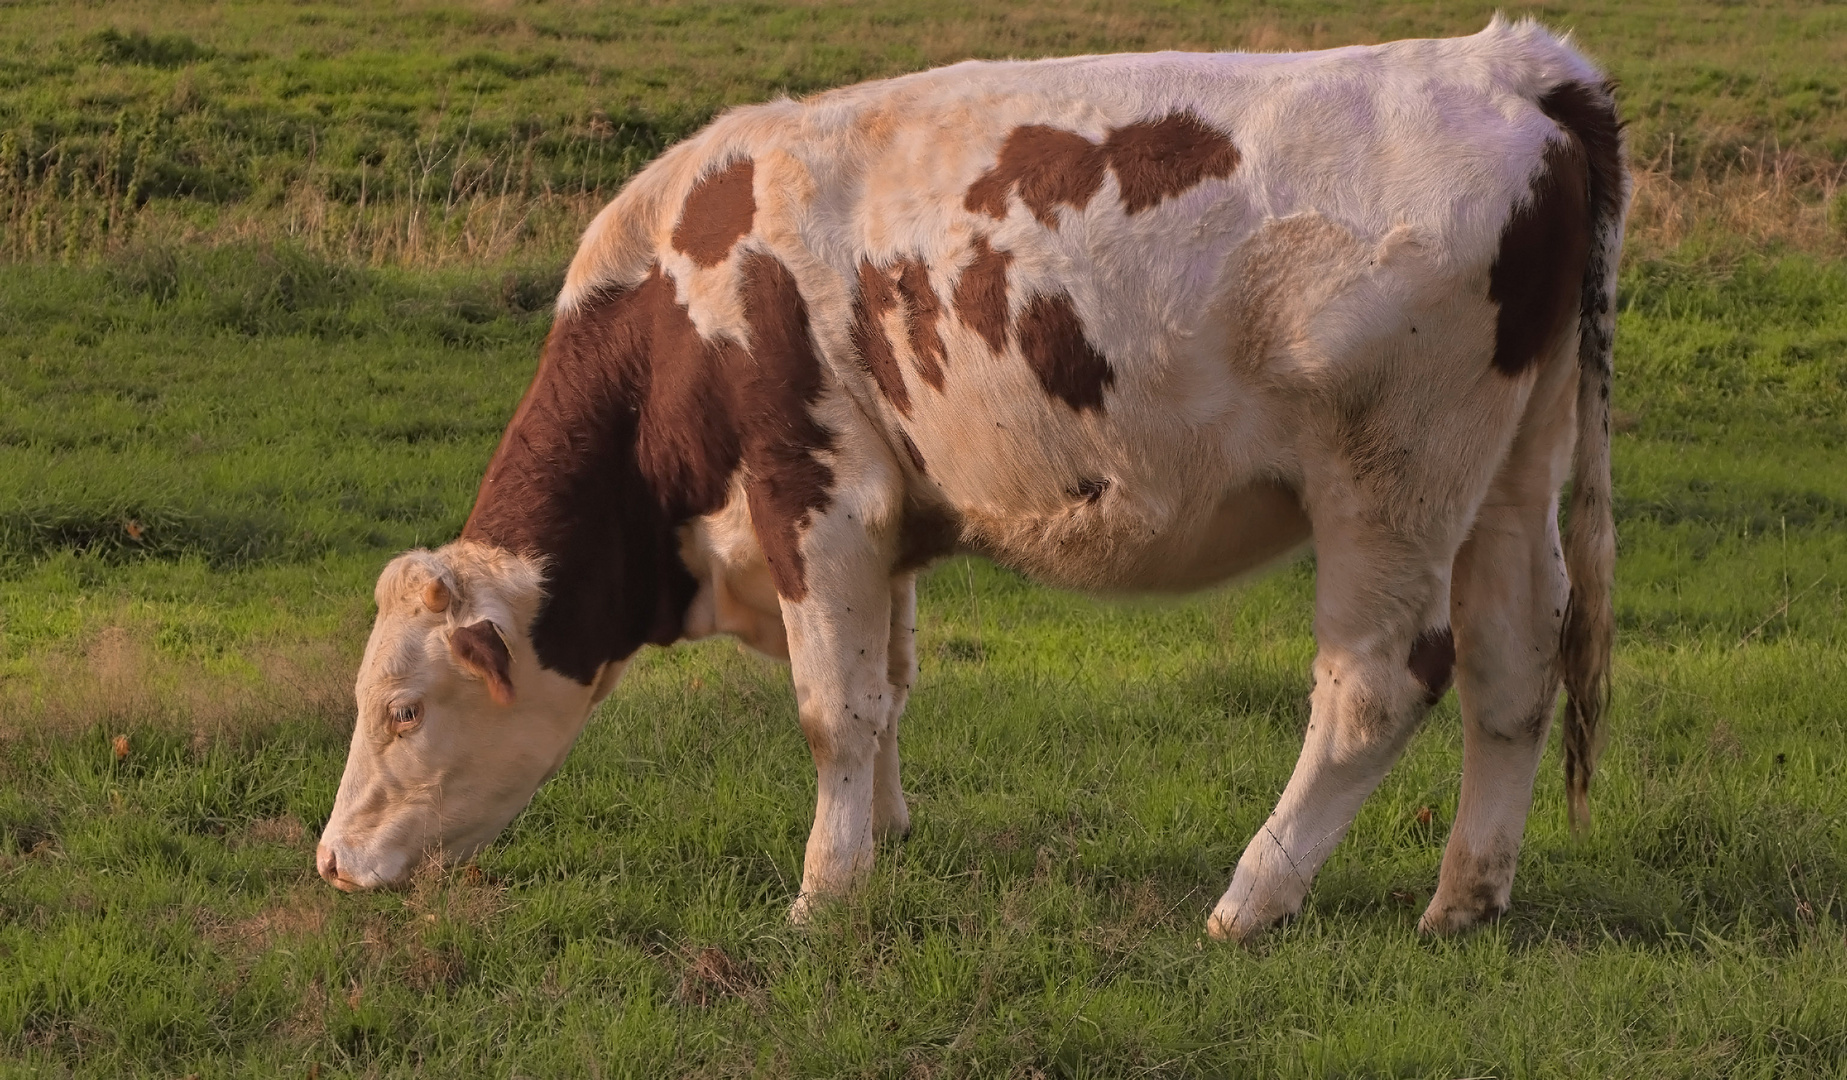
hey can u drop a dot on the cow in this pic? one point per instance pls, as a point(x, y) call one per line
point(1127, 324)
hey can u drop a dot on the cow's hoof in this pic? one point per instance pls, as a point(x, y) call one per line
point(807, 909)
point(891, 820)
point(1245, 920)
point(1442, 918)
point(895, 827)
point(1242, 923)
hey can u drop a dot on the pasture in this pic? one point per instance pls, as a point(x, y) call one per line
point(271, 282)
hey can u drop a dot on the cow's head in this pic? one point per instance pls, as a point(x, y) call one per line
point(458, 723)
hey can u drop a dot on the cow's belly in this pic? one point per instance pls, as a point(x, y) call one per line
point(1125, 540)
point(1110, 504)
point(1247, 528)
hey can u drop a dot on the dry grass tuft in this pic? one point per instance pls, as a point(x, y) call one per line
point(116, 678)
point(1777, 198)
point(284, 831)
point(461, 894)
point(428, 969)
point(301, 914)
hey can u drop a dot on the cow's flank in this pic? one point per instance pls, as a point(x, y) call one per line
point(1068, 366)
point(718, 213)
point(981, 294)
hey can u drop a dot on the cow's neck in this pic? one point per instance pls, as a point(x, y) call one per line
point(566, 487)
point(634, 425)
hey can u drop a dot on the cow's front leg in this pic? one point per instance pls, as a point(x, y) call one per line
point(891, 818)
point(839, 634)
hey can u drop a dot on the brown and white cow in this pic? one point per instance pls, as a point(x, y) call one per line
point(1126, 323)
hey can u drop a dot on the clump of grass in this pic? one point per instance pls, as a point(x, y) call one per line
point(1765, 198)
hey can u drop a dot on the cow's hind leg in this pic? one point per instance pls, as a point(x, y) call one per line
point(1384, 656)
point(1507, 605)
point(1391, 483)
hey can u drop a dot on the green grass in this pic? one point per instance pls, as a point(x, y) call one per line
point(208, 450)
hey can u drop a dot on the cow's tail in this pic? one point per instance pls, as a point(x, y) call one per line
point(1587, 112)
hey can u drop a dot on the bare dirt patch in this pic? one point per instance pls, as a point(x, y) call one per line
point(711, 975)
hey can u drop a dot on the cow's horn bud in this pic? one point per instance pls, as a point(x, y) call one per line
point(436, 595)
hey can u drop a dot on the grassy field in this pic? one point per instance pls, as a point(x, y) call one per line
point(273, 280)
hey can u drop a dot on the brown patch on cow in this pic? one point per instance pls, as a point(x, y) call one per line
point(1538, 273)
point(930, 532)
point(922, 309)
point(1152, 159)
point(1432, 660)
point(788, 482)
point(911, 451)
point(1047, 167)
point(481, 650)
point(981, 294)
point(876, 355)
point(718, 213)
point(1588, 114)
point(633, 425)
point(878, 295)
point(1158, 159)
point(1068, 366)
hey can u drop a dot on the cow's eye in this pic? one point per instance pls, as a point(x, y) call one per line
point(406, 717)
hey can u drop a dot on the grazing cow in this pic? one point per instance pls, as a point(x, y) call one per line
point(1125, 323)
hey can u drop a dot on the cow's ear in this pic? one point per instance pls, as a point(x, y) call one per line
point(482, 652)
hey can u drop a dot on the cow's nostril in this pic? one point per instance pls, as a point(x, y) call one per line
point(328, 866)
